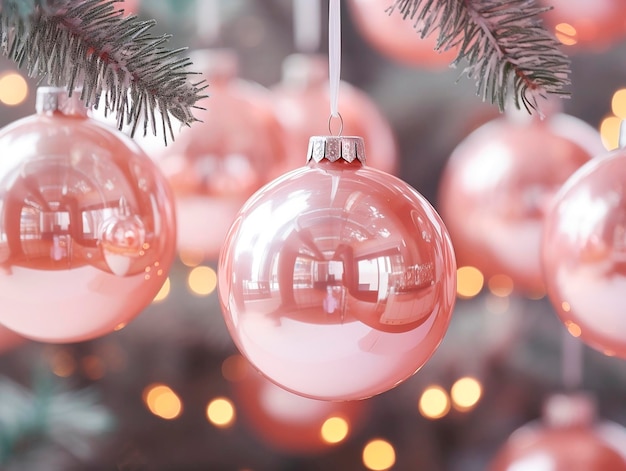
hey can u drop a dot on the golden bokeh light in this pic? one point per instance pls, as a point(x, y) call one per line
point(164, 292)
point(334, 430)
point(565, 306)
point(434, 403)
point(470, 282)
point(221, 412)
point(574, 329)
point(501, 285)
point(379, 455)
point(202, 280)
point(93, 367)
point(609, 132)
point(466, 393)
point(618, 103)
point(566, 34)
point(235, 368)
point(62, 363)
point(162, 401)
point(13, 89)
point(190, 259)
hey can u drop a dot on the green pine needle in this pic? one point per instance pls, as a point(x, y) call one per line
point(91, 45)
point(503, 41)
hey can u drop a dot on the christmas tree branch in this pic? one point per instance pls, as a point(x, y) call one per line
point(503, 41)
point(91, 44)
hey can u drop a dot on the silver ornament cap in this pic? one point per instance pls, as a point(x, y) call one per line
point(333, 148)
point(58, 99)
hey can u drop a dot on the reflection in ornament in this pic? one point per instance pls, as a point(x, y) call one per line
point(86, 224)
point(583, 253)
point(396, 37)
point(498, 185)
point(301, 100)
point(369, 237)
point(215, 165)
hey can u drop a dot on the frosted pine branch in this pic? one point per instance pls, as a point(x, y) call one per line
point(91, 45)
point(503, 41)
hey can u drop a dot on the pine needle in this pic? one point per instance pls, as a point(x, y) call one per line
point(91, 45)
point(503, 41)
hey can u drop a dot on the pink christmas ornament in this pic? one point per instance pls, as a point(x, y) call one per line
point(498, 185)
point(337, 281)
point(215, 165)
point(396, 37)
point(568, 439)
point(584, 24)
point(86, 224)
point(583, 253)
point(301, 101)
point(9, 340)
point(288, 422)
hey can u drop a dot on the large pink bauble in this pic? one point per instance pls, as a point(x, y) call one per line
point(583, 24)
point(337, 281)
point(567, 439)
point(497, 187)
point(215, 165)
point(289, 422)
point(396, 37)
point(584, 253)
point(302, 99)
point(86, 224)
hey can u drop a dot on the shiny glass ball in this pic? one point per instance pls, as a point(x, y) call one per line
point(87, 226)
point(337, 281)
point(583, 253)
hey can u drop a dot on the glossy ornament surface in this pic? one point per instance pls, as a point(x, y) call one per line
point(397, 38)
point(498, 185)
point(596, 25)
point(215, 165)
point(337, 281)
point(86, 224)
point(568, 439)
point(288, 422)
point(301, 100)
point(583, 253)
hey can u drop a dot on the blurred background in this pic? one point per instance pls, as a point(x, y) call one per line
point(169, 390)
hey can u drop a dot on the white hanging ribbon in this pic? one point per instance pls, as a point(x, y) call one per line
point(208, 21)
point(307, 20)
point(334, 54)
point(572, 361)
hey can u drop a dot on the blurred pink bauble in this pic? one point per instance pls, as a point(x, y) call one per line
point(302, 101)
point(87, 226)
point(337, 281)
point(584, 253)
point(597, 24)
point(568, 439)
point(498, 184)
point(397, 38)
point(288, 422)
point(216, 164)
point(9, 340)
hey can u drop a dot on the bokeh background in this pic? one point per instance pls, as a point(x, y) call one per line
point(142, 395)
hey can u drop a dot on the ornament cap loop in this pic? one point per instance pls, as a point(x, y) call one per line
point(334, 148)
point(57, 99)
